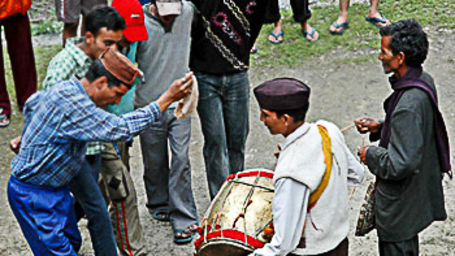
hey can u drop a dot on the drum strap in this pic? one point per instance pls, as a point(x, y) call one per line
point(327, 151)
point(328, 159)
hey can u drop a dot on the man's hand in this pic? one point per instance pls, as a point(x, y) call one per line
point(178, 89)
point(15, 144)
point(366, 124)
point(362, 153)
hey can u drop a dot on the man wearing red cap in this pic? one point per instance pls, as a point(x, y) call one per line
point(118, 185)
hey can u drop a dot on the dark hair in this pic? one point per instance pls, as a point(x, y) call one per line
point(103, 16)
point(98, 70)
point(296, 114)
point(409, 38)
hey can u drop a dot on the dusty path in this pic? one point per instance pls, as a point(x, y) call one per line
point(340, 93)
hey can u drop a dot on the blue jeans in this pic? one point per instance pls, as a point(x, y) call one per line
point(169, 187)
point(86, 191)
point(223, 110)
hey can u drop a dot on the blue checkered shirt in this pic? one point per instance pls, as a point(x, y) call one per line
point(58, 124)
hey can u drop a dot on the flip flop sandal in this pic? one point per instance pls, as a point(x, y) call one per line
point(193, 228)
point(311, 34)
point(161, 214)
point(4, 120)
point(183, 236)
point(374, 21)
point(276, 36)
point(343, 27)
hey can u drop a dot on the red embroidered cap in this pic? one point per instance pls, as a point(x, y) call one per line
point(119, 66)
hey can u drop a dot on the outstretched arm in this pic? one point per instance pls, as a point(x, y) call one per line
point(290, 202)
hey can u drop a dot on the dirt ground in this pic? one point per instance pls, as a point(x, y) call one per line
point(340, 93)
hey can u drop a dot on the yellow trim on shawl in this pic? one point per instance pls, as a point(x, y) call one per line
point(327, 151)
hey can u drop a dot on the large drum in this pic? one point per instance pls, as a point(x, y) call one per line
point(239, 219)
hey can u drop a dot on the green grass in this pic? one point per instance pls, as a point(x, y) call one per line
point(46, 27)
point(42, 57)
point(432, 15)
point(42, 25)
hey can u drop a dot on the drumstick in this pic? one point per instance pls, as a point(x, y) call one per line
point(347, 128)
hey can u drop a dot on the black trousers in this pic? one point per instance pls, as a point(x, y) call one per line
point(403, 248)
point(300, 11)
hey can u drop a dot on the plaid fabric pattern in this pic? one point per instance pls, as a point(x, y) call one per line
point(68, 62)
point(59, 122)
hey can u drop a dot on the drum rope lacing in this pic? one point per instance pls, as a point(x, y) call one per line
point(252, 185)
point(247, 203)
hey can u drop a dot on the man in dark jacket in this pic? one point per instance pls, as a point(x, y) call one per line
point(413, 152)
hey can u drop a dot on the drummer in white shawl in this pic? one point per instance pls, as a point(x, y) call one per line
point(311, 178)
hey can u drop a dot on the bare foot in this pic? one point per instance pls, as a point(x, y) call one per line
point(253, 49)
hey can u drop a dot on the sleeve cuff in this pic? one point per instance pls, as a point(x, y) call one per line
point(155, 110)
point(377, 136)
point(369, 157)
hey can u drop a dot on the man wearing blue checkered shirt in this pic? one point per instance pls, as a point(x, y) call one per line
point(58, 124)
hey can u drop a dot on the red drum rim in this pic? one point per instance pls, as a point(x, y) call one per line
point(236, 235)
point(252, 172)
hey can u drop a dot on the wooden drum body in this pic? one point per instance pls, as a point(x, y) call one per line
point(239, 219)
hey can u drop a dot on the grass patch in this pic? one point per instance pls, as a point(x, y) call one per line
point(42, 57)
point(432, 15)
point(46, 27)
point(43, 20)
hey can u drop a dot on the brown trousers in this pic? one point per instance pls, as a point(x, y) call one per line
point(20, 50)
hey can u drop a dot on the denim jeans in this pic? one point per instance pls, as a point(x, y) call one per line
point(223, 110)
point(86, 191)
point(169, 187)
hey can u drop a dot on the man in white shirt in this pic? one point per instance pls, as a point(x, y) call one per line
point(314, 169)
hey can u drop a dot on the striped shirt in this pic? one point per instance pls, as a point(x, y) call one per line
point(59, 122)
point(71, 61)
